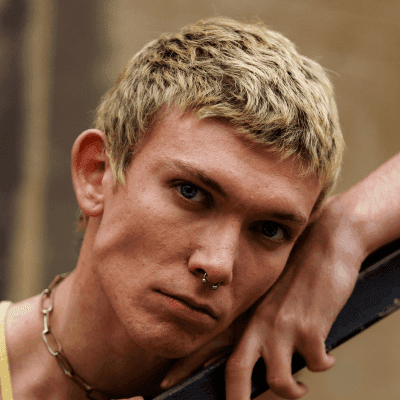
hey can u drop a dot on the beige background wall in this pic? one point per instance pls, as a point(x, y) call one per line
point(58, 57)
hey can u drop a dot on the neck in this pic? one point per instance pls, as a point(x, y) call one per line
point(95, 344)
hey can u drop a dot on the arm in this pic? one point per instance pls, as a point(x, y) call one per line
point(374, 205)
point(298, 311)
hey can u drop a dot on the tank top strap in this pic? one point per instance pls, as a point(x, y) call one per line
point(5, 379)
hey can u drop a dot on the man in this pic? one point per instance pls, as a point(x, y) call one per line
point(211, 155)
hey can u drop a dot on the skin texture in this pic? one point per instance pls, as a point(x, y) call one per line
point(153, 244)
point(198, 198)
point(297, 313)
point(326, 260)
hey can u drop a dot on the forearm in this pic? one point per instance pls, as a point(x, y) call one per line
point(372, 207)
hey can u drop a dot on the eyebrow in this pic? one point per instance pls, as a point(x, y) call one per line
point(298, 219)
point(184, 167)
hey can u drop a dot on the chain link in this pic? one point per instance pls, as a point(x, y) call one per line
point(66, 367)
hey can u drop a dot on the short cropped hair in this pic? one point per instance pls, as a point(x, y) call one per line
point(246, 74)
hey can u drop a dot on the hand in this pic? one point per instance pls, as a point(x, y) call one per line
point(296, 314)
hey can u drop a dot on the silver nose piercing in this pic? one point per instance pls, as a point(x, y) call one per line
point(204, 280)
point(215, 287)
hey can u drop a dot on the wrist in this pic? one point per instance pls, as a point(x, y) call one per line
point(370, 215)
point(347, 225)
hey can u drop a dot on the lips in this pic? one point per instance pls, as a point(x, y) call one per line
point(191, 303)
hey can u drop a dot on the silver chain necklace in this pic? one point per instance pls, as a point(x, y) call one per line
point(91, 393)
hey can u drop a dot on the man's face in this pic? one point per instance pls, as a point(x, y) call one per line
point(198, 199)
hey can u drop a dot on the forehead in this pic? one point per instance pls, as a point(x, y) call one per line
point(213, 149)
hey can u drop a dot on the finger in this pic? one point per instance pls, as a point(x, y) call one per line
point(314, 353)
point(184, 367)
point(239, 368)
point(278, 359)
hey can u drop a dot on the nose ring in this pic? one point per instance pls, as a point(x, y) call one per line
point(204, 280)
point(215, 287)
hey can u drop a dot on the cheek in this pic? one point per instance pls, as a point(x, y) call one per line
point(133, 217)
point(143, 226)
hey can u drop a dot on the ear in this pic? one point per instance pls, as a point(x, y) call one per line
point(89, 164)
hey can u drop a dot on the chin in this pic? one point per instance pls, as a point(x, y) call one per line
point(174, 352)
point(178, 348)
point(170, 343)
point(165, 334)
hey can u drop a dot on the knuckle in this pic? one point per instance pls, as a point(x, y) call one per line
point(282, 321)
point(278, 384)
point(312, 334)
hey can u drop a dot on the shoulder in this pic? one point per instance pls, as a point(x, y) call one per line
point(22, 320)
point(19, 313)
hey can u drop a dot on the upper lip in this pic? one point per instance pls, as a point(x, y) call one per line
point(193, 303)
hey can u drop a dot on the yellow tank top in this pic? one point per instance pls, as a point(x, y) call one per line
point(5, 380)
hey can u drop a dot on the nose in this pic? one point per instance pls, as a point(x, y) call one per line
point(215, 255)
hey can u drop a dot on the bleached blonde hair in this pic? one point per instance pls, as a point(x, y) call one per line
point(248, 75)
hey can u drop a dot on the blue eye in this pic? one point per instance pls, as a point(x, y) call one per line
point(272, 230)
point(191, 192)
